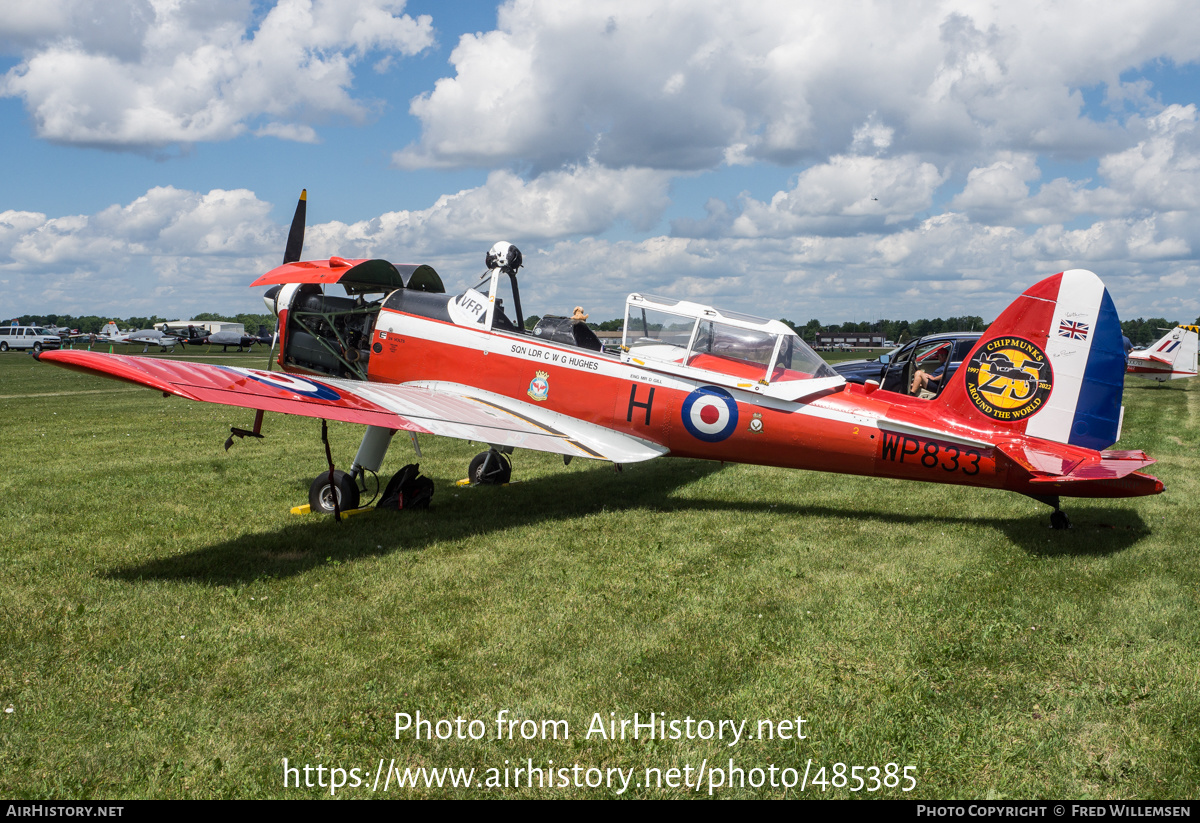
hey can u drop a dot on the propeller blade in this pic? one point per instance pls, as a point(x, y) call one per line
point(295, 241)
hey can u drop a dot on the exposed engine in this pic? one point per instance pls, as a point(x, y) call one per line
point(331, 335)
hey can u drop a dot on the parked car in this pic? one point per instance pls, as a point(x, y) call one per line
point(894, 370)
point(27, 337)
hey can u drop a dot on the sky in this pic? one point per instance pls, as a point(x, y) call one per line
point(846, 162)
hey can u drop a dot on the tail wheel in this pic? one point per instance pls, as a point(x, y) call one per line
point(1059, 520)
point(322, 493)
point(489, 468)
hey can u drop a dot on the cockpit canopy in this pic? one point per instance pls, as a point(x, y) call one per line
point(753, 351)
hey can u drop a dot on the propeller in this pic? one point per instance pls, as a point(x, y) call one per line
point(291, 254)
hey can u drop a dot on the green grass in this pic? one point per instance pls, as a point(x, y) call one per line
point(170, 630)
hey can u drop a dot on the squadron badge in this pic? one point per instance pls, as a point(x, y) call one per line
point(539, 386)
point(1009, 379)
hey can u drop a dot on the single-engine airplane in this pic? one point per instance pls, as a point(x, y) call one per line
point(1171, 358)
point(1033, 409)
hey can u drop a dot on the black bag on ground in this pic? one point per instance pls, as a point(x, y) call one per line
point(408, 489)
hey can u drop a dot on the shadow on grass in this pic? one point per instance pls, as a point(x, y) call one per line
point(478, 513)
point(456, 514)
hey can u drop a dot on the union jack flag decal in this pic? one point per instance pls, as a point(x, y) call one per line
point(1073, 330)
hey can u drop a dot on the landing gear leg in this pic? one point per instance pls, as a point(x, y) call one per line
point(372, 451)
point(489, 468)
point(1058, 517)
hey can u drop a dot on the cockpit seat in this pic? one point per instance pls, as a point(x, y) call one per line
point(564, 330)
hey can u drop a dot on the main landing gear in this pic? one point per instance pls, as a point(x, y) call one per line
point(322, 493)
point(344, 486)
point(489, 468)
point(1058, 517)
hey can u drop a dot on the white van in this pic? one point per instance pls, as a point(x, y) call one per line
point(27, 337)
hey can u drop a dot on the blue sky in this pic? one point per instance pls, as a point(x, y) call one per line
point(795, 161)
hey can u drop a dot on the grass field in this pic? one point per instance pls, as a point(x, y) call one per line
point(169, 630)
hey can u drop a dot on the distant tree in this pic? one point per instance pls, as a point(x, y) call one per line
point(1144, 332)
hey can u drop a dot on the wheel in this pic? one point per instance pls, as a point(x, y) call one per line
point(4, 346)
point(489, 472)
point(37, 348)
point(1059, 520)
point(321, 493)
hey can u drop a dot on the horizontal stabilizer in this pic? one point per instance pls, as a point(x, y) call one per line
point(1151, 358)
point(1049, 467)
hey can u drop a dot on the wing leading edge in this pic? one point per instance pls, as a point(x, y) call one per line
point(445, 409)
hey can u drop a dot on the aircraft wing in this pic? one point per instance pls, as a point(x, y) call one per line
point(446, 409)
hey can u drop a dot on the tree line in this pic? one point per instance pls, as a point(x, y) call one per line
point(91, 324)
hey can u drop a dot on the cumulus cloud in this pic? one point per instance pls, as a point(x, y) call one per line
point(581, 200)
point(689, 85)
point(172, 245)
point(1160, 175)
point(153, 73)
point(169, 249)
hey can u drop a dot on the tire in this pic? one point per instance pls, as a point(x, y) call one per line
point(4, 346)
point(481, 472)
point(321, 493)
point(37, 348)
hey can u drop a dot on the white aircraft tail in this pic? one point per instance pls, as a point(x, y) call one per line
point(110, 328)
point(1171, 358)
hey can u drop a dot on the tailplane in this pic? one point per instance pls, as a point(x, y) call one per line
point(1051, 366)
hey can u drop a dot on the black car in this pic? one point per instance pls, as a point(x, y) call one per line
point(894, 370)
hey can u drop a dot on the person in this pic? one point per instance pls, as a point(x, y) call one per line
point(922, 379)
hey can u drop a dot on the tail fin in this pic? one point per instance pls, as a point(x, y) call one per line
point(1052, 366)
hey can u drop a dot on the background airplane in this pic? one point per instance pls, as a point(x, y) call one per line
point(1171, 358)
point(1034, 409)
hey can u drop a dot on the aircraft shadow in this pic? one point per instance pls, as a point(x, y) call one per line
point(460, 513)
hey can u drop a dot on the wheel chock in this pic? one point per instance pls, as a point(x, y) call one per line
point(307, 509)
point(466, 481)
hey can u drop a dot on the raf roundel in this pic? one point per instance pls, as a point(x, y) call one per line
point(289, 382)
point(710, 414)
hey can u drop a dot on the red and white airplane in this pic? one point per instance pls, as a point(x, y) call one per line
point(1171, 358)
point(1033, 409)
